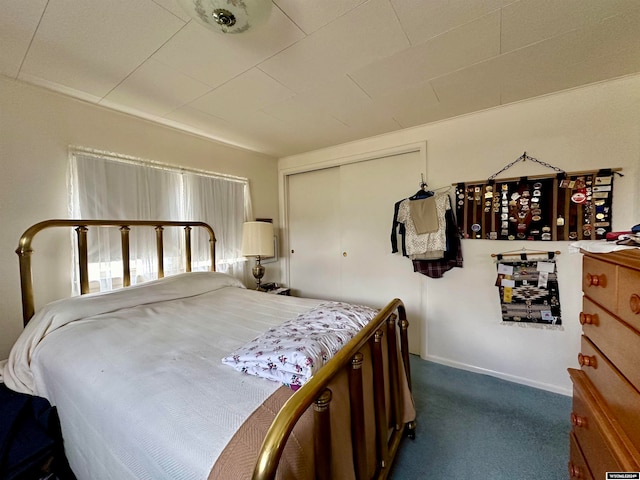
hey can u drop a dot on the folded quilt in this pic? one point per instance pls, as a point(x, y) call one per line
point(293, 351)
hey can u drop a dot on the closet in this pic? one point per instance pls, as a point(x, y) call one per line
point(339, 225)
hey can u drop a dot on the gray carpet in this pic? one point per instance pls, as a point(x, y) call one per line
point(483, 428)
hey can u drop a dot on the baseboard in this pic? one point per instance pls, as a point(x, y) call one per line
point(510, 378)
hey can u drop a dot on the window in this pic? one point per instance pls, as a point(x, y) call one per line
point(114, 187)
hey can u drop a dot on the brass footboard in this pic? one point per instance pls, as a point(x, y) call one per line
point(384, 327)
point(24, 250)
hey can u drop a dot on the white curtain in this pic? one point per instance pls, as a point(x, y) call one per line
point(107, 187)
point(218, 202)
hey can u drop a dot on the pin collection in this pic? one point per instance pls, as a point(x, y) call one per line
point(556, 207)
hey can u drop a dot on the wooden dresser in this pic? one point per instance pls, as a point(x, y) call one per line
point(605, 434)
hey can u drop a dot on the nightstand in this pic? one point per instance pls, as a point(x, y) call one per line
point(280, 291)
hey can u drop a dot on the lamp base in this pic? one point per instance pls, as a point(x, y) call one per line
point(258, 273)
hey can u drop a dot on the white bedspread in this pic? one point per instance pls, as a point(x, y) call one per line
point(140, 389)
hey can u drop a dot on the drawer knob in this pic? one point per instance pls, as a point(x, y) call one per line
point(577, 420)
point(586, 360)
point(588, 319)
point(575, 471)
point(634, 303)
point(596, 280)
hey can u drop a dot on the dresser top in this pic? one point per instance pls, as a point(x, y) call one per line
point(629, 258)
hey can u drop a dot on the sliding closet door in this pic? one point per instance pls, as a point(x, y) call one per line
point(340, 223)
point(371, 274)
point(314, 233)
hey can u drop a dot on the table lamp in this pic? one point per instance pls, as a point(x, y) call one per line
point(257, 241)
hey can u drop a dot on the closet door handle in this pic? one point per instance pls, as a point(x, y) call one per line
point(344, 254)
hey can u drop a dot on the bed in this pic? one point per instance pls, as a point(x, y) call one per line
point(138, 378)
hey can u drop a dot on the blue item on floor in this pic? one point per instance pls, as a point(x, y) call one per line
point(30, 438)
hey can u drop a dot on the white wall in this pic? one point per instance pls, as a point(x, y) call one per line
point(36, 129)
point(588, 128)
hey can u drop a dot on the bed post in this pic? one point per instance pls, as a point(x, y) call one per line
point(394, 381)
point(187, 248)
point(83, 258)
point(126, 266)
point(212, 248)
point(26, 284)
point(322, 437)
point(356, 399)
point(382, 448)
point(404, 344)
point(160, 250)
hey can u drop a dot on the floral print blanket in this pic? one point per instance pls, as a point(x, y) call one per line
point(293, 351)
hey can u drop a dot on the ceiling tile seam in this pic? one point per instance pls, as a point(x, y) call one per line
point(400, 23)
point(450, 72)
point(258, 65)
point(474, 64)
point(332, 21)
point(358, 85)
point(167, 10)
point(144, 61)
point(190, 77)
point(433, 89)
point(35, 31)
point(307, 35)
point(213, 89)
point(295, 93)
point(283, 122)
point(457, 27)
point(566, 32)
point(166, 116)
point(291, 19)
point(185, 104)
point(339, 121)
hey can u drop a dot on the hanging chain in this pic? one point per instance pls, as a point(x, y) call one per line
point(522, 158)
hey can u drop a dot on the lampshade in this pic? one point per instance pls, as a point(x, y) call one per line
point(257, 239)
point(228, 16)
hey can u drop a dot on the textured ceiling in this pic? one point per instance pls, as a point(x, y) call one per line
point(321, 72)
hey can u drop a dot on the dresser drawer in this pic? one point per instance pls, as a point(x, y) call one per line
point(591, 438)
point(615, 339)
point(619, 397)
point(578, 468)
point(599, 282)
point(628, 308)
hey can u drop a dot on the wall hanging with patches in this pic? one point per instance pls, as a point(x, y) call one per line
point(527, 282)
point(562, 206)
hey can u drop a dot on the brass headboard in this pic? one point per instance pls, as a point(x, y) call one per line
point(81, 226)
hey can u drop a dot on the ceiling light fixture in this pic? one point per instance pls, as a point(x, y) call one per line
point(228, 16)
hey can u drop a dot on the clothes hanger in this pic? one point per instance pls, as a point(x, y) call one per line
point(423, 192)
point(446, 188)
